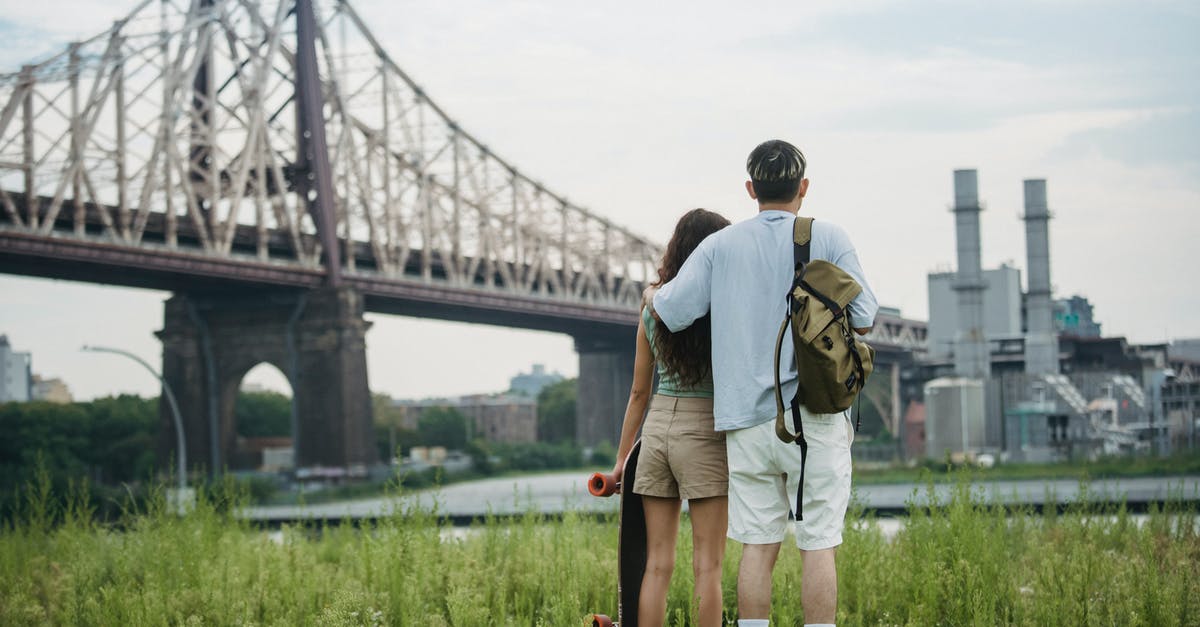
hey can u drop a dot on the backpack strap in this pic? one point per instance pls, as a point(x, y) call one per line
point(801, 246)
point(801, 241)
point(801, 252)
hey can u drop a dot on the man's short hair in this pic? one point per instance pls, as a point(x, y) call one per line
point(776, 169)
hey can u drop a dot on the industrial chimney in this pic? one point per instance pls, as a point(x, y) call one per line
point(971, 356)
point(1041, 339)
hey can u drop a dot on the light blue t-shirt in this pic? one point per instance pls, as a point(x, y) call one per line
point(742, 273)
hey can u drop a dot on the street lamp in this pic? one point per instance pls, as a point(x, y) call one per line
point(179, 442)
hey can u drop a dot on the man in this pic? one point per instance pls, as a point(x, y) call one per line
point(742, 274)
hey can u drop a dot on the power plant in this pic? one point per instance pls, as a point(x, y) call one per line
point(1017, 375)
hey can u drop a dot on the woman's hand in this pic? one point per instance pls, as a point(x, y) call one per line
point(617, 471)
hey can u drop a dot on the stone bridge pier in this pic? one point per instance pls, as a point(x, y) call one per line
point(316, 338)
point(605, 376)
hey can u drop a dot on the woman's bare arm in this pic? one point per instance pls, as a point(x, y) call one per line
point(639, 397)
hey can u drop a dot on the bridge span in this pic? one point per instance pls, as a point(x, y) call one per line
point(281, 181)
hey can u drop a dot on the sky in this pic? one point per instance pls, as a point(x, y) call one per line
point(641, 111)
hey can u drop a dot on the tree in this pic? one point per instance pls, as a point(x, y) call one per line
point(443, 426)
point(556, 411)
point(391, 437)
point(108, 441)
point(122, 434)
point(263, 414)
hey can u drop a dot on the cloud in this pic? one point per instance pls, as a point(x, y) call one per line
point(1155, 137)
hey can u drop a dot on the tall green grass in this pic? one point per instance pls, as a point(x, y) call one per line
point(958, 563)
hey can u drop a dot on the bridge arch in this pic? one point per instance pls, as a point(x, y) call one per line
point(316, 338)
point(262, 419)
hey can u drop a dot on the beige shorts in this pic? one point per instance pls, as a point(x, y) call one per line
point(683, 455)
point(764, 473)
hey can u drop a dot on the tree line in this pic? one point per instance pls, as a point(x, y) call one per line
point(113, 442)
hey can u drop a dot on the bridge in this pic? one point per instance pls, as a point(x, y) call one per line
point(269, 164)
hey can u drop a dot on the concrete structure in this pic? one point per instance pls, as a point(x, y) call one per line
point(914, 431)
point(16, 377)
point(970, 342)
point(1075, 316)
point(1001, 308)
point(954, 417)
point(531, 383)
point(1181, 408)
point(318, 340)
point(1041, 338)
point(605, 377)
point(51, 390)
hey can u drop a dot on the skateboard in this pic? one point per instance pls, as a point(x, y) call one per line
point(631, 541)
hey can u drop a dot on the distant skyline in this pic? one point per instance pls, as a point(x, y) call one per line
point(642, 112)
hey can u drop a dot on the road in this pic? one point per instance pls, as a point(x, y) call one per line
point(558, 493)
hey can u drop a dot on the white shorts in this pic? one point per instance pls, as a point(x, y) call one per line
point(764, 473)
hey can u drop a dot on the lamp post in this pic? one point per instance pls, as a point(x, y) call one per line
point(179, 441)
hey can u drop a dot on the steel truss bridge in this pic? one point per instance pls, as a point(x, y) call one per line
point(258, 146)
point(230, 141)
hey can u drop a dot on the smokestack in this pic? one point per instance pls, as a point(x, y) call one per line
point(971, 356)
point(1041, 339)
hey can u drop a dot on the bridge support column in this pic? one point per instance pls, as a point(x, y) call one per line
point(605, 376)
point(317, 339)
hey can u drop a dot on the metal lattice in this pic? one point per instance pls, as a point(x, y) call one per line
point(177, 128)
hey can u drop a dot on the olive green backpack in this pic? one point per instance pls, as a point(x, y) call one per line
point(832, 366)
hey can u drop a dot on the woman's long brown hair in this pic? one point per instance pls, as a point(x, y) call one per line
point(687, 355)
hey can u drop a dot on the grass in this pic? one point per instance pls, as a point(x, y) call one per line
point(1105, 467)
point(958, 563)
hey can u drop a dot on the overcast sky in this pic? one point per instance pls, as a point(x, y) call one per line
point(641, 111)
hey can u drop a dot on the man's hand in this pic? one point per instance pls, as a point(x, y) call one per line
point(648, 298)
point(863, 331)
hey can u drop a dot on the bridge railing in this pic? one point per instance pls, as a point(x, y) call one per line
point(177, 127)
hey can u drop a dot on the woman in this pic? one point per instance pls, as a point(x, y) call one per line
point(682, 456)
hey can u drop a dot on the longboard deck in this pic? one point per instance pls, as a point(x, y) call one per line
point(631, 548)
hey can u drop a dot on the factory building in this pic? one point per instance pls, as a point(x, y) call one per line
point(1015, 373)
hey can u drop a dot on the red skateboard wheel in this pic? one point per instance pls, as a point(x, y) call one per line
point(600, 620)
point(601, 484)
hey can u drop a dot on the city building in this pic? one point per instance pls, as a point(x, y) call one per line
point(1188, 349)
point(51, 390)
point(531, 383)
point(16, 376)
point(501, 417)
point(1181, 410)
point(1073, 316)
point(1001, 308)
point(509, 418)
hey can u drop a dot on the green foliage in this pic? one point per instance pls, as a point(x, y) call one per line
point(481, 457)
point(556, 411)
point(443, 426)
point(391, 438)
point(960, 563)
point(263, 414)
point(604, 454)
point(538, 455)
point(1106, 467)
point(109, 441)
point(122, 437)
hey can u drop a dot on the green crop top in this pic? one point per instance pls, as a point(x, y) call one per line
point(667, 385)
